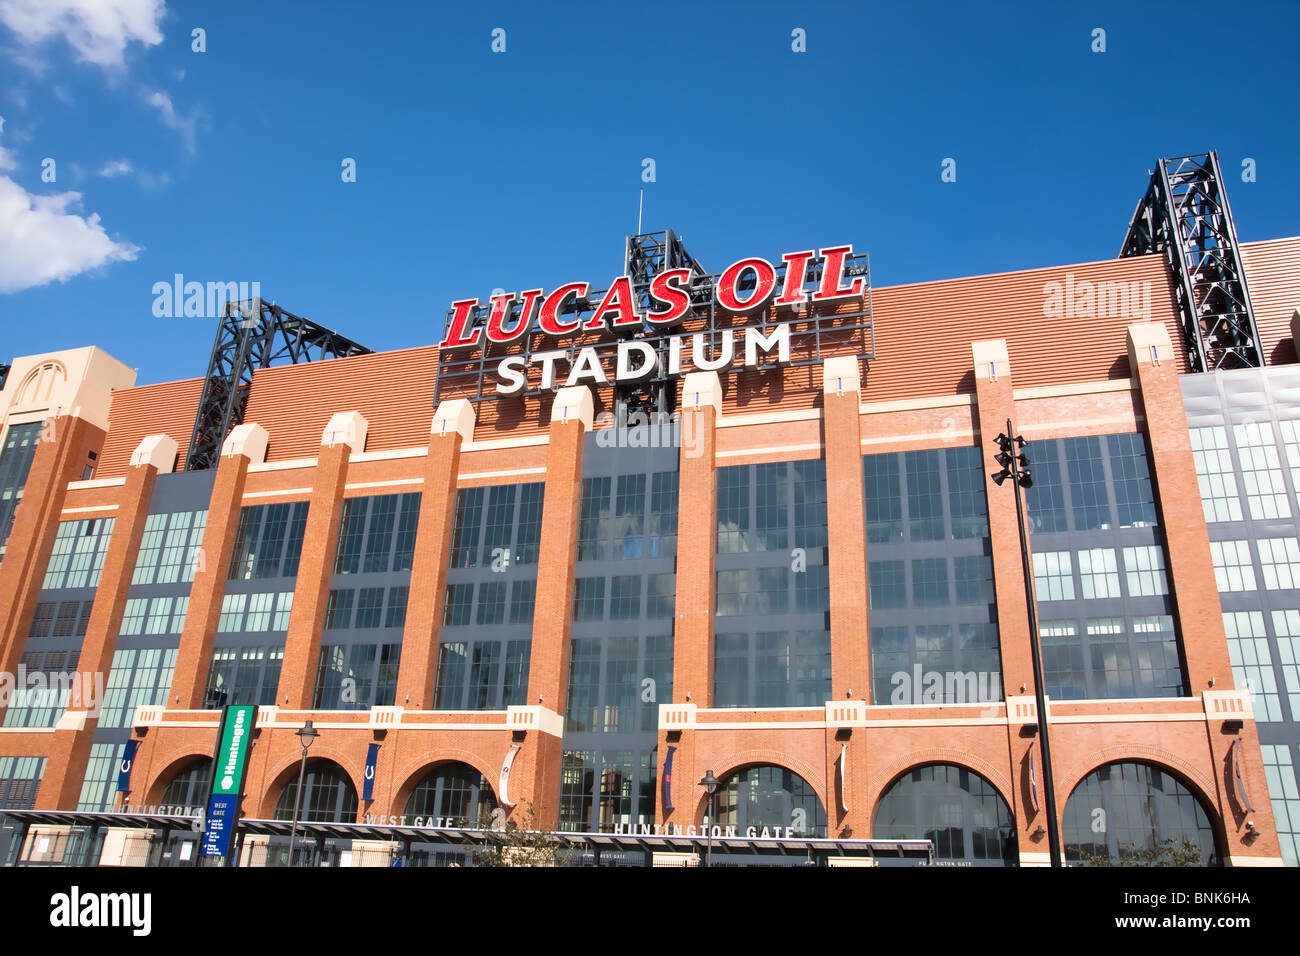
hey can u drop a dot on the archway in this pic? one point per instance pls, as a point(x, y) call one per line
point(1132, 812)
point(452, 794)
point(954, 807)
point(190, 785)
point(769, 796)
point(328, 795)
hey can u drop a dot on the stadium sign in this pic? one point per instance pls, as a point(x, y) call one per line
point(744, 288)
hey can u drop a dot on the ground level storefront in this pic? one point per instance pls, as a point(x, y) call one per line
point(62, 838)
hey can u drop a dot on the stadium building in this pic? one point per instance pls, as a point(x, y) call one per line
point(595, 546)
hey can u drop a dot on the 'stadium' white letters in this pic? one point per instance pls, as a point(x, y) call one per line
point(635, 361)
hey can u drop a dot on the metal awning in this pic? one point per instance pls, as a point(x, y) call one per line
point(77, 818)
point(658, 842)
point(466, 837)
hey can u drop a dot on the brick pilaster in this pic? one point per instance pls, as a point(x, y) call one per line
point(311, 590)
point(60, 458)
point(548, 668)
point(697, 541)
point(846, 528)
point(1190, 566)
point(994, 405)
point(194, 656)
point(453, 425)
point(65, 769)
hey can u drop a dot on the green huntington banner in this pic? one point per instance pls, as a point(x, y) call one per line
point(236, 739)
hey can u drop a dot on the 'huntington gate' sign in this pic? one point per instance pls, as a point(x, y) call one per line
point(755, 313)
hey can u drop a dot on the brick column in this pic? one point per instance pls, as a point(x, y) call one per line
point(345, 434)
point(548, 668)
point(697, 545)
point(70, 749)
point(1187, 542)
point(453, 425)
point(244, 446)
point(994, 405)
point(697, 541)
point(60, 458)
point(846, 528)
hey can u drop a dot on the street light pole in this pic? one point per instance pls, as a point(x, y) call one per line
point(710, 785)
point(1016, 466)
point(307, 734)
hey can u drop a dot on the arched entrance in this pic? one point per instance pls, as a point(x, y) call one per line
point(769, 796)
point(451, 795)
point(1137, 814)
point(955, 808)
point(190, 786)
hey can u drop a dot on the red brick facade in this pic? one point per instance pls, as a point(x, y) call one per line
point(850, 751)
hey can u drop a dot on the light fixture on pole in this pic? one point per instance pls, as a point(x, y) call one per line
point(307, 735)
point(710, 785)
point(1016, 466)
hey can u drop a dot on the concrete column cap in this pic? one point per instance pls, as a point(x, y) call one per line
point(249, 440)
point(157, 450)
point(1149, 344)
point(990, 359)
point(346, 428)
point(841, 374)
point(456, 416)
point(700, 389)
point(572, 404)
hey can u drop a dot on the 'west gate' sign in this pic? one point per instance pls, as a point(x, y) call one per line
point(744, 288)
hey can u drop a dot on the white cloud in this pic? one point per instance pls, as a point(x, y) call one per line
point(186, 126)
point(99, 30)
point(151, 181)
point(7, 161)
point(41, 241)
point(115, 167)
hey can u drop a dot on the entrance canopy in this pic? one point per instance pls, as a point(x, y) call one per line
point(914, 850)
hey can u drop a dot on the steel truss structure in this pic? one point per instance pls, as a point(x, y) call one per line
point(1185, 215)
point(252, 334)
point(816, 330)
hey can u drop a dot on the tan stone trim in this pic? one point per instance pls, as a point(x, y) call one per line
point(391, 454)
point(89, 508)
point(493, 444)
point(910, 404)
point(772, 450)
point(417, 480)
point(1078, 388)
point(273, 494)
point(97, 483)
point(771, 418)
point(289, 464)
point(466, 476)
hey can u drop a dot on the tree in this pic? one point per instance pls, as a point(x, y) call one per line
point(515, 845)
point(1169, 852)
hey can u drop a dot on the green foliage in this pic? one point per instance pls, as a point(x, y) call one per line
point(1168, 852)
point(515, 845)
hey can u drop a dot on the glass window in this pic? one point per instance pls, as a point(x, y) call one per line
point(1261, 471)
point(1233, 570)
point(1215, 475)
point(1279, 559)
point(1144, 814)
point(956, 809)
point(1252, 662)
point(1053, 576)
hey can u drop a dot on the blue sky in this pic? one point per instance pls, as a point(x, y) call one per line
point(477, 170)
